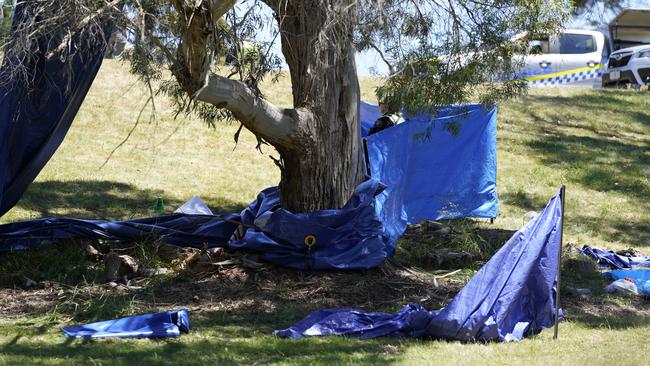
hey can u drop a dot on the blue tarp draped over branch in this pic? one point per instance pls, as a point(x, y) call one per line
point(436, 167)
point(510, 297)
point(35, 118)
point(159, 325)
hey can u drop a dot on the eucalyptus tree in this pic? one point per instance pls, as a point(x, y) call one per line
point(437, 51)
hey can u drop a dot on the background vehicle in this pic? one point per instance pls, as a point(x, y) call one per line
point(629, 64)
point(573, 57)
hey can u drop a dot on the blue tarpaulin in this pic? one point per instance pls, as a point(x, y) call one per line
point(609, 259)
point(641, 278)
point(437, 167)
point(34, 119)
point(510, 297)
point(350, 238)
point(179, 229)
point(159, 325)
point(368, 114)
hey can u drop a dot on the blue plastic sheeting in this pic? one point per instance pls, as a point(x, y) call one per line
point(368, 114)
point(437, 168)
point(641, 278)
point(350, 238)
point(178, 229)
point(511, 297)
point(34, 119)
point(159, 325)
point(609, 259)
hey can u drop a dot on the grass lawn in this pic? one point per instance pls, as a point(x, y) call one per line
point(596, 142)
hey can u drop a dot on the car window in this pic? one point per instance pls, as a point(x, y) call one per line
point(577, 43)
point(538, 46)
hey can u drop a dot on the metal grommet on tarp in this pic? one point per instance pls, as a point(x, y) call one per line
point(310, 240)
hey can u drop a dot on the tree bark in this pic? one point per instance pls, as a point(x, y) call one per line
point(323, 165)
point(319, 140)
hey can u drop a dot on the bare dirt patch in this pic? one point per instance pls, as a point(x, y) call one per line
point(234, 288)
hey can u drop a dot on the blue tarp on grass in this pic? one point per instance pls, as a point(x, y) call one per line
point(179, 229)
point(353, 237)
point(609, 259)
point(159, 325)
point(641, 278)
point(510, 297)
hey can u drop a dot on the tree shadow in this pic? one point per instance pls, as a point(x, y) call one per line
point(213, 350)
point(609, 315)
point(523, 200)
point(609, 227)
point(601, 165)
point(106, 200)
point(602, 157)
point(234, 317)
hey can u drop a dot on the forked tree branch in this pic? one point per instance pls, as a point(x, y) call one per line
point(192, 70)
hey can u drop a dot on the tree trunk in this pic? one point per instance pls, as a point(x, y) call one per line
point(323, 162)
point(319, 140)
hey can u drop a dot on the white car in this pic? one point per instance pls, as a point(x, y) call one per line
point(629, 66)
point(574, 57)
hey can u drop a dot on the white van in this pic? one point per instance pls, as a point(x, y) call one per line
point(574, 57)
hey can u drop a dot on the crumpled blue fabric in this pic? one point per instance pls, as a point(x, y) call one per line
point(350, 238)
point(641, 278)
point(609, 259)
point(353, 237)
point(180, 229)
point(158, 325)
point(510, 297)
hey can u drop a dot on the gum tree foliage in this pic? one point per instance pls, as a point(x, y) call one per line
point(438, 51)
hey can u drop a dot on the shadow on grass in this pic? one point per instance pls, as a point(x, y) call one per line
point(611, 315)
point(232, 321)
point(594, 101)
point(203, 351)
point(611, 227)
point(605, 160)
point(524, 200)
point(596, 163)
point(104, 200)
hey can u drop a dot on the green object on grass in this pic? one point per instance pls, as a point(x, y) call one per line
point(159, 207)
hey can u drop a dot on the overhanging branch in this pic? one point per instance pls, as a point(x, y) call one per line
point(261, 117)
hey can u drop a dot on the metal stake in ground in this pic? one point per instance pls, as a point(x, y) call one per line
point(559, 266)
